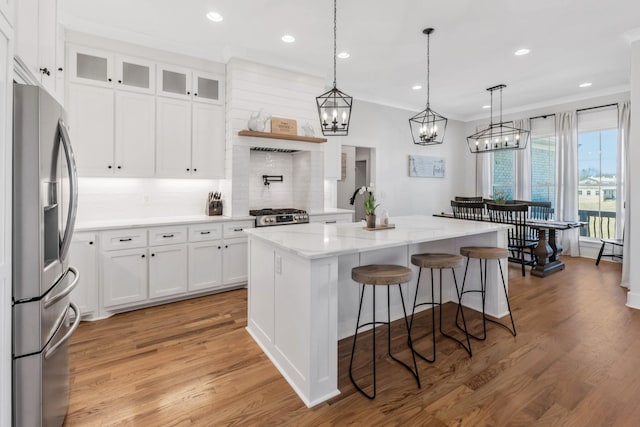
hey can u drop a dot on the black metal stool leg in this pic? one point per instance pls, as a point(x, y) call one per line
point(482, 291)
point(468, 346)
point(506, 295)
point(433, 317)
point(414, 371)
point(355, 337)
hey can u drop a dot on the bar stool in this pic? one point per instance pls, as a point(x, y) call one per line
point(439, 262)
point(381, 275)
point(485, 253)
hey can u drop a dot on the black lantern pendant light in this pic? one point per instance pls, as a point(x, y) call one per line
point(428, 127)
point(334, 106)
point(498, 136)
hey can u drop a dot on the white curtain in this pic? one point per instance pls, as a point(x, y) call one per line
point(484, 174)
point(522, 165)
point(566, 206)
point(623, 205)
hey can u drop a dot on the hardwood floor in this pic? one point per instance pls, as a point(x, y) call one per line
point(574, 362)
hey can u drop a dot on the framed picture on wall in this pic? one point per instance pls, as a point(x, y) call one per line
point(426, 167)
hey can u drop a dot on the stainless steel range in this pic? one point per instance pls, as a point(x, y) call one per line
point(268, 217)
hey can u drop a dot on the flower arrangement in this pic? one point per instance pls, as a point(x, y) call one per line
point(369, 199)
point(499, 197)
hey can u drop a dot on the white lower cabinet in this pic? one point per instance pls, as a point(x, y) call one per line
point(124, 276)
point(143, 266)
point(234, 258)
point(167, 270)
point(205, 265)
point(83, 256)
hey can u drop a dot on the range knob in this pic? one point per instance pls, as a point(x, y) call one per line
point(296, 217)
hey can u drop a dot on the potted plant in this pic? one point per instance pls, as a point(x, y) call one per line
point(369, 205)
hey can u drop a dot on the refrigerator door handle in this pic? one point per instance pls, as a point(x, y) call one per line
point(73, 189)
point(66, 291)
point(51, 349)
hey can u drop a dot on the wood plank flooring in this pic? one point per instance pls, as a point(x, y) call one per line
point(574, 362)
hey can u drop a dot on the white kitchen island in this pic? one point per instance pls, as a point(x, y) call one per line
point(302, 300)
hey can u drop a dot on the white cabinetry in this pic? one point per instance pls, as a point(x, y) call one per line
point(332, 218)
point(6, 9)
point(124, 276)
point(112, 138)
point(83, 256)
point(190, 139)
point(181, 83)
point(90, 66)
point(234, 260)
point(36, 41)
point(167, 270)
point(205, 265)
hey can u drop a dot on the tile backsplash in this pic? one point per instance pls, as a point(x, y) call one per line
point(277, 194)
point(123, 198)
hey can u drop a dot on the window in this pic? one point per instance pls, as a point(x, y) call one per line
point(543, 159)
point(597, 170)
point(503, 176)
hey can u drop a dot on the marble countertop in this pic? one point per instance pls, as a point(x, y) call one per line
point(110, 224)
point(316, 240)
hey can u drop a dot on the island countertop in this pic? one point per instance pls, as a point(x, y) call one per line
point(322, 240)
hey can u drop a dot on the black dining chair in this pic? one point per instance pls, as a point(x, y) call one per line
point(518, 240)
point(468, 210)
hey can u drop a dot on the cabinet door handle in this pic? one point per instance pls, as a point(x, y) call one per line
point(119, 167)
point(142, 255)
point(219, 247)
point(238, 229)
point(188, 93)
point(195, 169)
point(109, 80)
point(205, 232)
point(126, 240)
point(109, 167)
point(331, 222)
point(166, 236)
point(120, 81)
point(226, 246)
point(195, 94)
point(187, 169)
point(91, 243)
point(153, 254)
point(60, 69)
point(45, 70)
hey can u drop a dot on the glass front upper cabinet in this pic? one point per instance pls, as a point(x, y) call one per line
point(208, 88)
point(91, 66)
point(174, 82)
point(135, 74)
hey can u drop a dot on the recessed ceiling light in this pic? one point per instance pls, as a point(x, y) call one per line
point(585, 84)
point(521, 52)
point(486, 107)
point(344, 55)
point(416, 87)
point(288, 38)
point(214, 16)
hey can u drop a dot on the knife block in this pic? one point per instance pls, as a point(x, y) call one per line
point(214, 208)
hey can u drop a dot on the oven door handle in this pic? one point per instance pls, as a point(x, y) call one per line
point(50, 351)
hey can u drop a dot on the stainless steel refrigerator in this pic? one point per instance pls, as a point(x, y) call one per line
point(45, 196)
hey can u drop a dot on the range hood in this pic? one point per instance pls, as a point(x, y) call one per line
point(274, 150)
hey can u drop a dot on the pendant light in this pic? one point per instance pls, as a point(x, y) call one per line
point(500, 135)
point(428, 127)
point(334, 106)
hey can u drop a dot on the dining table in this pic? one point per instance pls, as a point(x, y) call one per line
point(548, 247)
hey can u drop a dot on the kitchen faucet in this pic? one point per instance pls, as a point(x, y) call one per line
point(352, 200)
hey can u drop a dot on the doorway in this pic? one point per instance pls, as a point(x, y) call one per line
point(356, 172)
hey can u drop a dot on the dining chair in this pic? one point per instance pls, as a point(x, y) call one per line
point(468, 210)
point(518, 239)
point(468, 199)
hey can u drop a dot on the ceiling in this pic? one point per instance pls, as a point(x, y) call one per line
point(472, 48)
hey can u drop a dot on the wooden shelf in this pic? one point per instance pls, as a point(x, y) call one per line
point(281, 136)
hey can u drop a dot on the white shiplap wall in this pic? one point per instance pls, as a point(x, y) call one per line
point(279, 93)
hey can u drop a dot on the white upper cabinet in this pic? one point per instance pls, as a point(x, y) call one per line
point(207, 146)
point(6, 9)
point(208, 87)
point(135, 74)
point(91, 66)
point(185, 84)
point(173, 138)
point(135, 133)
point(91, 129)
point(36, 41)
point(174, 82)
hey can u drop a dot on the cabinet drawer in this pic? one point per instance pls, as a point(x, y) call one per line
point(167, 235)
point(234, 229)
point(201, 233)
point(123, 239)
point(331, 219)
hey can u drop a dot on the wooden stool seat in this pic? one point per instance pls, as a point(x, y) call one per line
point(381, 274)
point(436, 260)
point(484, 252)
